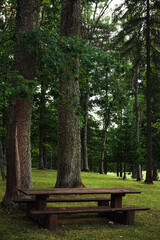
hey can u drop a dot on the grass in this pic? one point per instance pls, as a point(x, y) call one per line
point(17, 226)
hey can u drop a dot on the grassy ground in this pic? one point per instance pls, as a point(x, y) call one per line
point(17, 226)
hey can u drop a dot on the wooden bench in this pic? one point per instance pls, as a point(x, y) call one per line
point(124, 215)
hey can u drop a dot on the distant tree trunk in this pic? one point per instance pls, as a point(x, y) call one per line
point(149, 118)
point(42, 125)
point(18, 155)
point(45, 152)
point(101, 169)
point(121, 172)
point(84, 134)
point(105, 168)
point(69, 143)
point(106, 124)
point(155, 174)
point(134, 171)
point(125, 169)
point(3, 172)
point(117, 169)
point(137, 168)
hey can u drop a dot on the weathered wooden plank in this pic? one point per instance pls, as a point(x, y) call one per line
point(68, 191)
point(93, 209)
point(65, 200)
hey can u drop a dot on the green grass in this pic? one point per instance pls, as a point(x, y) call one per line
point(17, 226)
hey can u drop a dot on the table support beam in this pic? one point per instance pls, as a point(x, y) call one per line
point(116, 200)
point(41, 202)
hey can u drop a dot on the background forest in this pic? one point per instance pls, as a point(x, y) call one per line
point(119, 82)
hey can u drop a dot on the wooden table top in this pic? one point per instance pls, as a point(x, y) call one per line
point(69, 191)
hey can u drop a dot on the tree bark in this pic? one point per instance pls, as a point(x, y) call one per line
point(18, 153)
point(149, 117)
point(69, 144)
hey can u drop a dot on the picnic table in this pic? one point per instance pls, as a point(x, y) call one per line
point(110, 207)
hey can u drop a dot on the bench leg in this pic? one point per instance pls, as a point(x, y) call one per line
point(126, 218)
point(51, 222)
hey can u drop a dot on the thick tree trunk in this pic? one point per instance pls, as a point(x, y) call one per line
point(18, 149)
point(149, 118)
point(18, 154)
point(69, 144)
point(84, 151)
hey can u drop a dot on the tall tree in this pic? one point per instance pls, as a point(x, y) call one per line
point(69, 144)
point(20, 107)
point(148, 93)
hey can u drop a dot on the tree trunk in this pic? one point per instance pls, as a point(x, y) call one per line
point(42, 125)
point(18, 153)
point(84, 151)
point(105, 168)
point(155, 174)
point(106, 124)
point(69, 143)
point(117, 169)
point(45, 152)
point(149, 118)
point(125, 169)
point(134, 171)
point(3, 172)
point(121, 170)
point(138, 173)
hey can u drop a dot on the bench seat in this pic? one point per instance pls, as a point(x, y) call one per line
point(88, 209)
point(123, 215)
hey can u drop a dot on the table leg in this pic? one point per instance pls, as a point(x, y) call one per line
point(116, 200)
point(41, 202)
